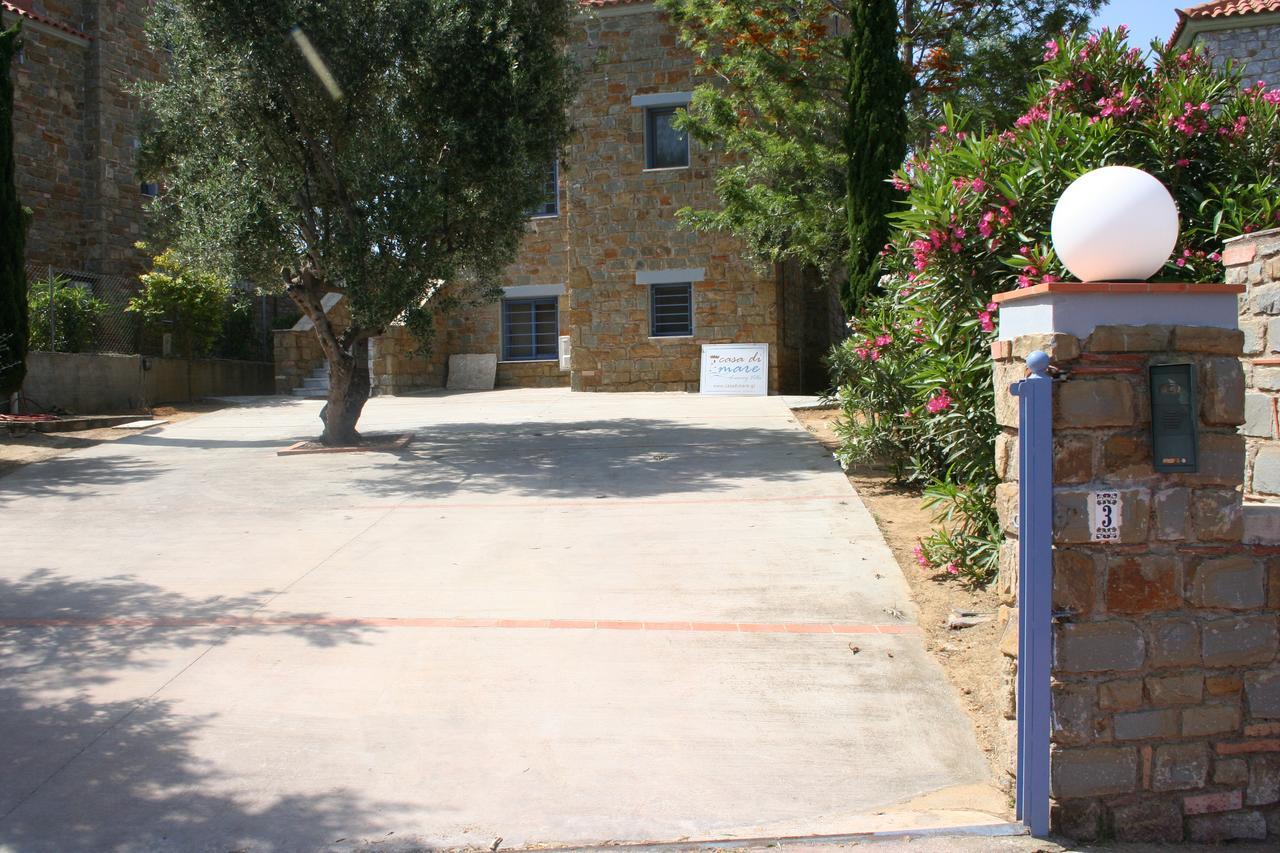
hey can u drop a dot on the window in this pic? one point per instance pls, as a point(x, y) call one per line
point(665, 147)
point(670, 310)
point(149, 188)
point(550, 205)
point(530, 329)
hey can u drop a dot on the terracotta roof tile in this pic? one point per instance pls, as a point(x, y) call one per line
point(1221, 9)
point(21, 11)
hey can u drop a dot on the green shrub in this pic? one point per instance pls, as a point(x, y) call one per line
point(184, 301)
point(77, 314)
point(238, 337)
point(915, 377)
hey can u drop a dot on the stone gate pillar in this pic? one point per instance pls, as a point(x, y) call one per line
point(1165, 681)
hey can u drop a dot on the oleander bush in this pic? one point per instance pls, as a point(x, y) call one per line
point(914, 378)
point(64, 316)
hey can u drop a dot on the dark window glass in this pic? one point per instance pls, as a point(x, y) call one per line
point(665, 147)
point(670, 310)
point(550, 205)
point(530, 329)
point(149, 189)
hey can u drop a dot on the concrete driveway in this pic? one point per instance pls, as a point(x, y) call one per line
point(555, 618)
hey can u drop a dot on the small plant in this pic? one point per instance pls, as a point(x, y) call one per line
point(72, 311)
point(182, 300)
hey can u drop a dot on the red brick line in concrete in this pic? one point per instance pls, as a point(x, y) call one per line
point(602, 501)
point(444, 622)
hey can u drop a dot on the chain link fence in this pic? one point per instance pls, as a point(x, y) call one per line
point(78, 311)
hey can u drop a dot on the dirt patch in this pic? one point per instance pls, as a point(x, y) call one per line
point(20, 447)
point(971, 656)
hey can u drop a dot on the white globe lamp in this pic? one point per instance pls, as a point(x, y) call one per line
point(1115, 224)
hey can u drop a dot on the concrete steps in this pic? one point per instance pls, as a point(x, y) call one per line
point(314, 385)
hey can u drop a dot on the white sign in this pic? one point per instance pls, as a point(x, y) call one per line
point(741, 369)
point(1104, 516)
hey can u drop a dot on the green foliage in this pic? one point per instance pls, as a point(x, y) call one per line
point(13, 226)
point(979, 56)
point(387, 151)
point(73, 311)
point(779, 110)
point(422, 172)
point(238, 338)
point(915, 377)
point(874, 141)
point(184, 300)
point(780, 107)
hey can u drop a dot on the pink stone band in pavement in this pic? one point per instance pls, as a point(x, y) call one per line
point(439, 622)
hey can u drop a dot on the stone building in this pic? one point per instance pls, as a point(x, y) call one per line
point(605, 264)
point(1247, 31)
point(76, 131)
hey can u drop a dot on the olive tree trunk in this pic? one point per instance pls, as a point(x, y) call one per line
point(349, 381)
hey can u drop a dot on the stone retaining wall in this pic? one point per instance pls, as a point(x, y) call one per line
point(1254, 261)
point(1166, 689)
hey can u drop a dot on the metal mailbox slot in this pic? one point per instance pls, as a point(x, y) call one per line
point(1173, 418)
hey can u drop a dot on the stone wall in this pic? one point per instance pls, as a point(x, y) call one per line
point(50, 148)
point(1257, 48)
point(107, 383)
point(75, 134)
point(1254, 261)
point(398, 367)
point(296, 354)
point(1166, 689)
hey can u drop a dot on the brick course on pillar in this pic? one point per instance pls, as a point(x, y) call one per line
point(1166, 687)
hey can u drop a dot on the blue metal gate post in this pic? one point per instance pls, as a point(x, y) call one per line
point(1035, 589)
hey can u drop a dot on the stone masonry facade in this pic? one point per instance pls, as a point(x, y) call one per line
point(1254, 261)
point(1256, 48)
point(76, 125)
point(1165, 680)
point(615, 222)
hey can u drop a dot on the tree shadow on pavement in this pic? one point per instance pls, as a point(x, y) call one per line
point(68, 476)
point(617, 458)
point(96, 762)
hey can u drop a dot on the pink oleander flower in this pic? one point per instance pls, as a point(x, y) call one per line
point(985, 321)
point(1182, 262)
point(918, 553)
point(884, 340)
point(906, 413)
point(1031, 116)
point(953, 569)
point(938, 401)
point(1182, 163)
point(1050, 50)
point(979, 185)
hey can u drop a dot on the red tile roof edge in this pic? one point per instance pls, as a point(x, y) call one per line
point(45, 20)
point(1221, 9)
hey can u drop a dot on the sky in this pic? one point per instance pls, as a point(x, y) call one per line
point(1147, 19)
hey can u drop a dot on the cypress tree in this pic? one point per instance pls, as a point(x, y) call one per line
point(875, 138)
point(13, 274)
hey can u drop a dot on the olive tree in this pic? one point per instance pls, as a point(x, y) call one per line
point(388, 151)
